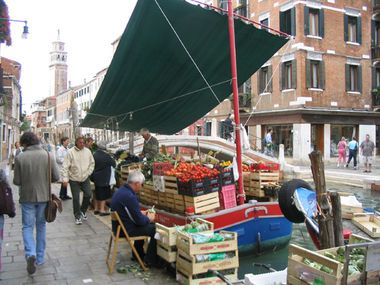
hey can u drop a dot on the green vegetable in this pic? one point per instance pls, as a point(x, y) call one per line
point(330, 255)
point(340, 251)
point(326, 269)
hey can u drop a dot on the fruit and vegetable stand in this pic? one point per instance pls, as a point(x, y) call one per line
point(341, 265)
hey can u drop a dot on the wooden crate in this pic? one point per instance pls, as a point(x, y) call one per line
point(186, 244)
point(254, 183)
point(188, 265)
point(203, 203)
point(298, 270)
point(171, 184)
point(185, 279)
point(260, 179)
point(369, 223)
point(126, 169)
point(168, 235)
point(168, 253)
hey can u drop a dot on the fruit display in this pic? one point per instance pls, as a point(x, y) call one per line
point(194, 227)
point(190, 171)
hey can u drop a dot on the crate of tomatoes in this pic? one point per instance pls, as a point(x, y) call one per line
point(194, 179)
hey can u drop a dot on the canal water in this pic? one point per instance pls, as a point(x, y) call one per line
point(278, 260)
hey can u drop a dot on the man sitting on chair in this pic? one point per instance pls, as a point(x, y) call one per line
point(136, 222)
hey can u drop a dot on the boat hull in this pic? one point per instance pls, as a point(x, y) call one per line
point(260, 226)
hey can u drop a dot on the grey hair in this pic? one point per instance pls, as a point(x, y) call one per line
point(144, 131)
point(136, 176)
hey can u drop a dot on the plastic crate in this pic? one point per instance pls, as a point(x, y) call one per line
point(192, 188)
point(227, 197)
point(227, 177)
point(159, 168)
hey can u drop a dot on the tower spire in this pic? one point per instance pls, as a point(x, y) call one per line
point(58, 35)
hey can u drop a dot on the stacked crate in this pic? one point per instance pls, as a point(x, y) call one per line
point(126, 169)
point(175, 200)
point(255, 182)
point(148, 195)
point(190, 272)
point(167, 242)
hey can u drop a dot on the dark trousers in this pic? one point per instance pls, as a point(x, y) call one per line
point(352, 154)
point(148, 230)
point(76, 187)
point(63, 191)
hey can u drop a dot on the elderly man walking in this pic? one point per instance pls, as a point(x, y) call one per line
point(31, 174)
point(77, 168)
point(367, 148)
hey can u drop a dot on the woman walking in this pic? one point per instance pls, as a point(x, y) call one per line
point(101, 178)
point(342, 147)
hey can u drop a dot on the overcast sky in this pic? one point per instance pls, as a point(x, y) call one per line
point(88, 27)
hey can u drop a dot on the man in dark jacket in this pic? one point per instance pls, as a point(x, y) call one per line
point(136, 222)
point(31, 175)
point(101, 178)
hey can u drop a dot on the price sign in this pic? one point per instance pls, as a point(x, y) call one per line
point(373, 257)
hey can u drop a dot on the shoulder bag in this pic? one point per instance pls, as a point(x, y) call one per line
point(54, 202)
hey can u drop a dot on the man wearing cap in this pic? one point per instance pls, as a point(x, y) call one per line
point(151, 147)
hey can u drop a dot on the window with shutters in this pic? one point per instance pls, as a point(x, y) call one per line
point(353, 78)
point(314, 22)
point(315, 74)
point(288, 21)
point(288, 75)
point(352, 29)
point(265, 83)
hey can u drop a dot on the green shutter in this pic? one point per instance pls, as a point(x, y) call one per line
point(348, 77)
point(282, 22)
point(306, 17)
point(373, 73)
point(308, 73)
point(293, 21)
point(260, 81)
point(359, 29)
point(345, 28)
point(360, 89)
point(282, 76)
point(270, 85)
point(294, 74)
point(321, 70)
point(321, 23)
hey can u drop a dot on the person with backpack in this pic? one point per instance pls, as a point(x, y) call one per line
point(7, 206)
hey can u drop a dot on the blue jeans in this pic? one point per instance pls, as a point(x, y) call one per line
point(34, 214)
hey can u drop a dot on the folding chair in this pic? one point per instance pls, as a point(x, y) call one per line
point(116, 238)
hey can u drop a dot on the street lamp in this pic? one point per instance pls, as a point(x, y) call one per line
point(25, 31)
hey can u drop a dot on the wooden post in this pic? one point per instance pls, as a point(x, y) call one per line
point(199, 151)
point(337, 218)
point(131, 143)
point(325, 219)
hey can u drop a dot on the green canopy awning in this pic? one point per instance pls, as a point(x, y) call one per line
point(156, 83)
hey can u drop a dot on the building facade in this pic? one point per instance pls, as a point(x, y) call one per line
point(318, 87)
point(11, 105)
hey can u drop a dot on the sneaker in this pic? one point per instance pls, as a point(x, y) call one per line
point(337, 165)
point(31, 264)
point(355, 167)
point(84, 216)
point(78, 221)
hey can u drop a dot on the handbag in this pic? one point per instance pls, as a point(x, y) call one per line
point(7, 205)
point(54, 202)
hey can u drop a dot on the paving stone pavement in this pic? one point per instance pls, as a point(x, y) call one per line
point(74, 254)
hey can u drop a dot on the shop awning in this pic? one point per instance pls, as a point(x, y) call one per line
point(172, 66)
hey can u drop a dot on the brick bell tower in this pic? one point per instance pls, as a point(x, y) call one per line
point(58, 67)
